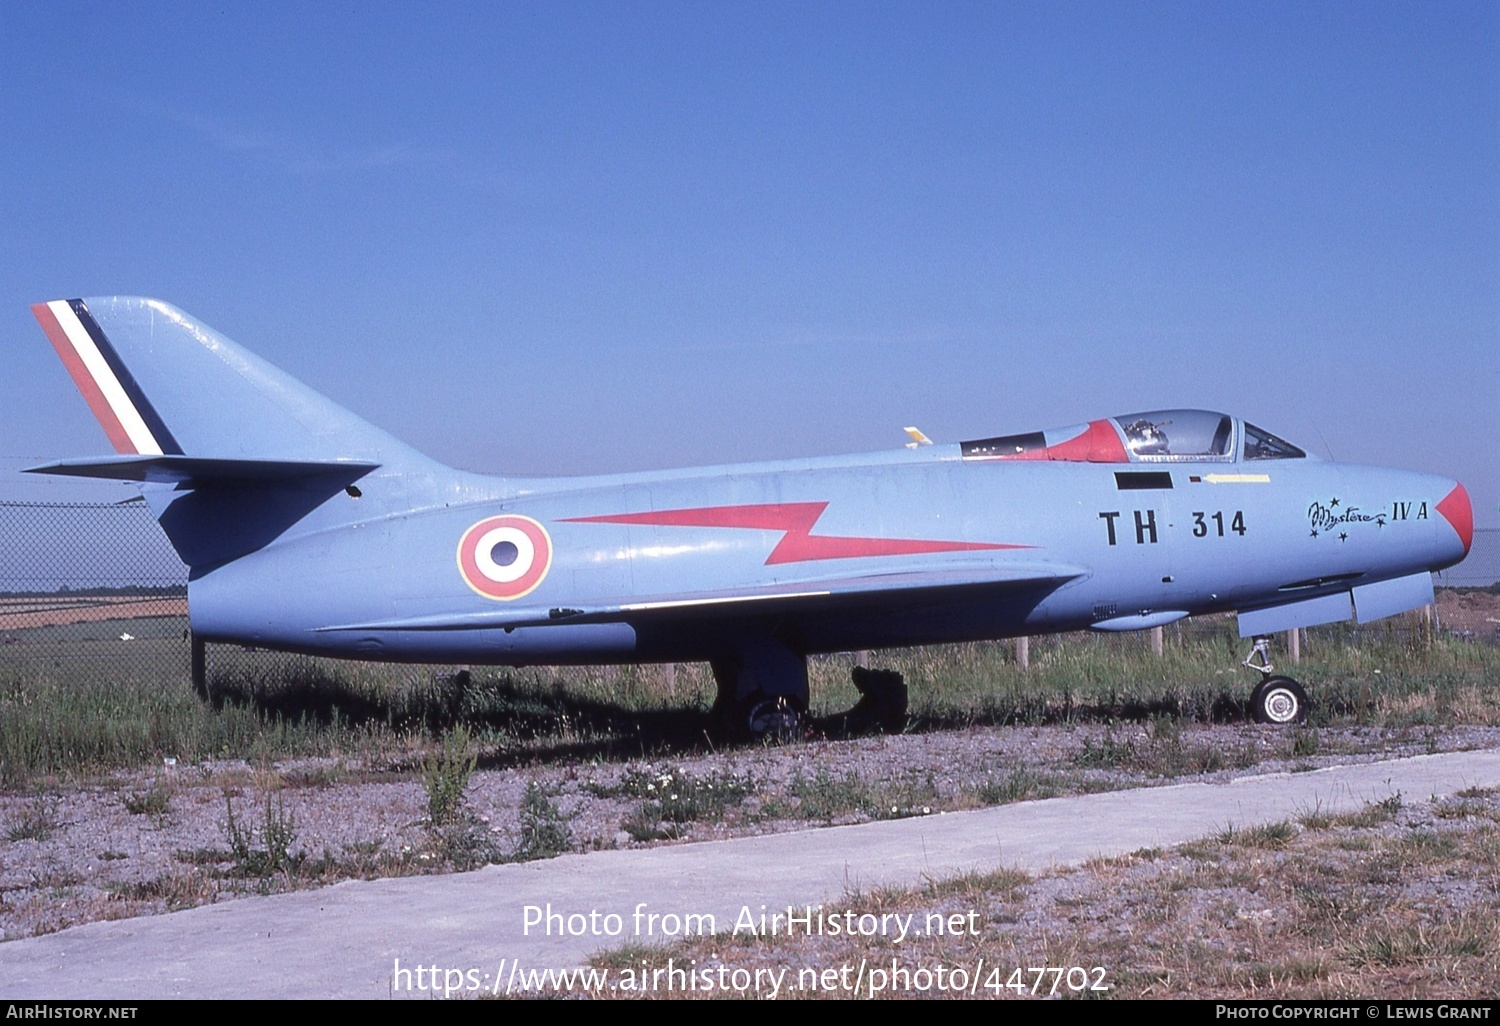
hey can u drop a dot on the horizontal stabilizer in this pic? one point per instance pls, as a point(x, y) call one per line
point(902, 586)
point(194, 470)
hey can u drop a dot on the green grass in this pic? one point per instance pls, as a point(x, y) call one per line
point(1382, 678)
point(1269, 835)
point(278, 851)
point(446, 773)
point(670, 798)
point(37, 822)
point(544, 829)
point(155, 802)
point(58, 720)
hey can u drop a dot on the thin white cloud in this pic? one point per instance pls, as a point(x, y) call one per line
point(913, 339)
point(287, 154)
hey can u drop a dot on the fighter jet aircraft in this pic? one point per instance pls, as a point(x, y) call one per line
point(309, 530)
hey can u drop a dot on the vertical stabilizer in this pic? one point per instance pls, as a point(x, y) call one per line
point(160, 383)
point(232, 453)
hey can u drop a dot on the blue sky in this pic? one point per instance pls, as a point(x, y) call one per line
point(569, 238)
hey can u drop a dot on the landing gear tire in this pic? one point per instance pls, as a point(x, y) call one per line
point(1279, 701)
point(772, 719)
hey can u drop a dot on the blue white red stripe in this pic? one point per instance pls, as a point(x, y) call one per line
point(122, 409)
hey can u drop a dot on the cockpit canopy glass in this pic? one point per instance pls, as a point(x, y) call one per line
point(1177, 433)
point(1262, 445)
point(1158, 436)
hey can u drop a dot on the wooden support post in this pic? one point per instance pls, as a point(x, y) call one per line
point(1156, 640)
point(1294, 645)
point(669, 678)
point(1023, 652)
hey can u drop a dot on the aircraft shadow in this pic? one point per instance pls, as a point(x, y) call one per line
point(553, 724)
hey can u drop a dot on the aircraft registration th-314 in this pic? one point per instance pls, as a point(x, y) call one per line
point(309, 530)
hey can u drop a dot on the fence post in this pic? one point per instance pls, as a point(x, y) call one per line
point(1023, 652)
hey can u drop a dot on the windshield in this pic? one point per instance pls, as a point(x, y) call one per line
point(1262, 445)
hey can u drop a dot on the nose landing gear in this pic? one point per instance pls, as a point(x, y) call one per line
point(1277, 699)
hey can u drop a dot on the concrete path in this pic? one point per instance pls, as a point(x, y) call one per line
point(346, 940)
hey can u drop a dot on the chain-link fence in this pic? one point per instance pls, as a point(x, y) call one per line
point(91, 593)
point(1481, 568)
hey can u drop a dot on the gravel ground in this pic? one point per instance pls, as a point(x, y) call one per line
point(148, 842)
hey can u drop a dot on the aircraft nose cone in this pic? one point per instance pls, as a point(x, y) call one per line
point(1459, 512)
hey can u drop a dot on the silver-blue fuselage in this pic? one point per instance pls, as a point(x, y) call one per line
point(1224, 536)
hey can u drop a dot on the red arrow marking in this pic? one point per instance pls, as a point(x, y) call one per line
point(795, 520)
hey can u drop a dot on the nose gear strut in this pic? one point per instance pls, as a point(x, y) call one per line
point(1263, 650)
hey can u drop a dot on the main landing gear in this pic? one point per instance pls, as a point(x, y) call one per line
point(773, 719)
point(1276, 699)
point(762, 695)
point(882, 703)
point(762, 689)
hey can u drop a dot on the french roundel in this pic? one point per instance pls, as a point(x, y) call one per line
point(505, 557)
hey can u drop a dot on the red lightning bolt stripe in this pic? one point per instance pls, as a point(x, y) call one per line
point(795, 519)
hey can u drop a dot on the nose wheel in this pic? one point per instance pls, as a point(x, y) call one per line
point(1277, 700)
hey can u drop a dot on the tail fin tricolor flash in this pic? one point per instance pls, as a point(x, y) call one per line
point(162, 384)
point(242, 450)
point(127, 416)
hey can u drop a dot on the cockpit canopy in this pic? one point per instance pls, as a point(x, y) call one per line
point(1159, 436)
